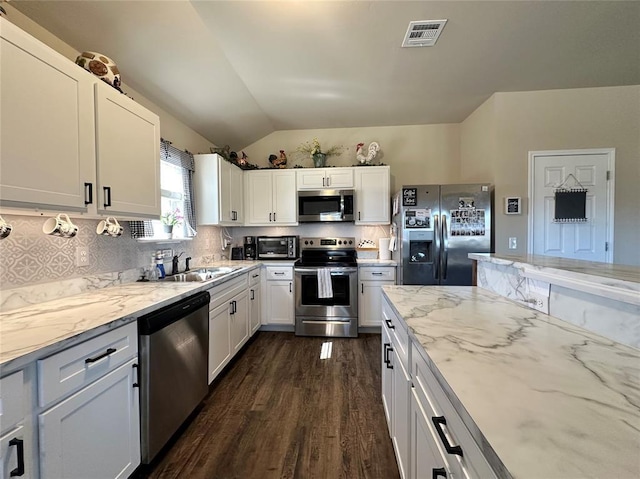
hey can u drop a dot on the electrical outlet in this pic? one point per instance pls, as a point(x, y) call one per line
point(539, 303)
point(167, 253)
point(82, 256)
point(513, 242)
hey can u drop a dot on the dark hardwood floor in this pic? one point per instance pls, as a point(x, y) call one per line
point(280, 411)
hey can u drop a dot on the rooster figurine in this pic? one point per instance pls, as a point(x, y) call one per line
point(373, 150)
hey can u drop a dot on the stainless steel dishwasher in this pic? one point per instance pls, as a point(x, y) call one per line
point(173, 369)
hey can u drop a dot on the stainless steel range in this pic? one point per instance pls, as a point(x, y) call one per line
point(326, 282)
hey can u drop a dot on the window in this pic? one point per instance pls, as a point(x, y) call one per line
point(176, 197)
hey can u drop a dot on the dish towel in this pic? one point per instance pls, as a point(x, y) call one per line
point(324, 283)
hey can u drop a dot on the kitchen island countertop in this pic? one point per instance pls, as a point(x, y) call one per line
point(36, 330)
point(543, 397)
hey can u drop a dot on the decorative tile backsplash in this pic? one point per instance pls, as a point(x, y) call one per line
point(28, 256)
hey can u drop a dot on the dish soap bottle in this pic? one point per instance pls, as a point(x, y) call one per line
point(160, 265)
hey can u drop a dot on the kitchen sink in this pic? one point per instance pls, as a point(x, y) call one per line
point(202, 274)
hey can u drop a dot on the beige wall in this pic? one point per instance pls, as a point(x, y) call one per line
point(417, 154)
point(171, 129)
point(555, 120)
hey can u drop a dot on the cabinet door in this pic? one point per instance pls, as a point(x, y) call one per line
point(387, 378)
point(310, 179)
point(219, 339)
point(339, 178)
point(425, 457)
point(372, 195)
point(280, 307)
point(285, 198)
point(254, 309)
point(370, 302)
point(95, 432)
point(237, 188)
point(128, 155)
point(239, 321)
point(258, 198)
point(224, 192)
point(47, 136)
point(401, 404)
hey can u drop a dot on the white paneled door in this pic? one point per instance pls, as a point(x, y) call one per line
point(590, 240)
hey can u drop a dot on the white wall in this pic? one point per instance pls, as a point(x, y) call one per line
point(498, 136)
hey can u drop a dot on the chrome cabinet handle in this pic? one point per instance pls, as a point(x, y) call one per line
point(135, 368)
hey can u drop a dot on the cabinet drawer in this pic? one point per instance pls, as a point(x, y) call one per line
point(254, 276)
point(80, 365)
point(435, 401)
point(274, 272)
point(397, 331)
point(12, 401)
point(377, 274)
point(222, 293)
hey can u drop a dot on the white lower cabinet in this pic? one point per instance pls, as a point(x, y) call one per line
point(229, 312)
point(396, 386)
point(372, 279)
point(239, 317)
point(255, 303)
point(95, 432)
point(279, 296)
point(17, 440)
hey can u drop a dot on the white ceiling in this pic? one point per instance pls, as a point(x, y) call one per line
point(236, 71)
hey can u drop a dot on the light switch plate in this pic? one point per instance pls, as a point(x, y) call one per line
point(513, 242)
point(82, 256)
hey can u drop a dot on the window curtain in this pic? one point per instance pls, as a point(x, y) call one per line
point(184, 160)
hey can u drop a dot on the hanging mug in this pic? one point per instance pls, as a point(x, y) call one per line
point(109, 227)
point(5, 228)
point(61, 225)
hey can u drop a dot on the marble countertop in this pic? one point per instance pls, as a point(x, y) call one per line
point(614, 281)
point(548, 399)
point(37, 330)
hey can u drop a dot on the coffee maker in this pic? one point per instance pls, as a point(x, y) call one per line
point(250, 248)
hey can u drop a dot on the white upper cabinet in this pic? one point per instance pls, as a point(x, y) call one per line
point(55, 127)
point(372, 195)
point(218, 190)
point(319, 178)
point(47, 140)
point(128, 155)
point(271, 198)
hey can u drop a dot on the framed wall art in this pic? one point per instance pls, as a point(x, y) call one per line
point(512, 205)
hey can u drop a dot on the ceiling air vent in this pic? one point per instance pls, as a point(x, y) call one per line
point(423, 33)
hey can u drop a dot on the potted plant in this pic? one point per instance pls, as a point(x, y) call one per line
point(318, 156)
point(170, 219)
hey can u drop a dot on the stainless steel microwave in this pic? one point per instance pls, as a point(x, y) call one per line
point(277, 247)
point(325, 205)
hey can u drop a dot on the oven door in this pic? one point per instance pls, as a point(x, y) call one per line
point(343, 303)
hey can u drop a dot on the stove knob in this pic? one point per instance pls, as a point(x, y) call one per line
point(306, 242)
point(311, 242)
point(340, 242)
point(350, 242)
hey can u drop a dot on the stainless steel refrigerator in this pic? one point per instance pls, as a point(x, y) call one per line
point(436, 227)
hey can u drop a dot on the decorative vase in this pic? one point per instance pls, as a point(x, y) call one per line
point(319, 160)
point(168, 229)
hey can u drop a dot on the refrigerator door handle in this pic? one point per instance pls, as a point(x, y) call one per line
point(436, 234)
point(445, 247)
